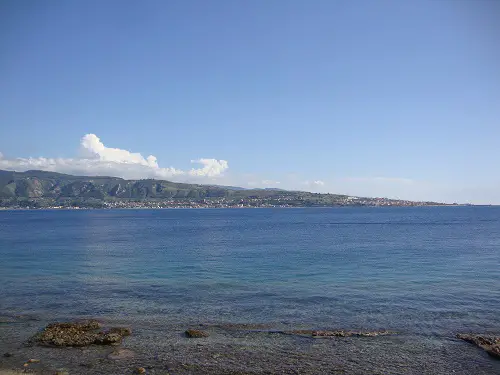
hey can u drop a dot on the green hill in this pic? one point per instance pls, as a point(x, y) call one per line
point(44, 184)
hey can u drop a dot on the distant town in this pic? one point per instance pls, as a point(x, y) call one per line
point(278, 201)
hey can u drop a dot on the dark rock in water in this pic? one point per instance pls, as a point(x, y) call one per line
point(7, 354)
point(196, 333)
point(108, 338)
point(491, 344)
point(69, 334)
point(77, 334)
point(337, 333)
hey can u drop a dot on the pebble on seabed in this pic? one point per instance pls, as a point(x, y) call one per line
point(140, 370)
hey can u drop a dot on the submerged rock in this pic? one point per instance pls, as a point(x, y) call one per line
point(196, 333)
point(491, 344)
point(108, 338)
point(337, 333)
point(79, 334)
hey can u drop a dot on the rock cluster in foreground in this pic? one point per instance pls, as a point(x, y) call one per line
point(491, 344)
point(79, 334)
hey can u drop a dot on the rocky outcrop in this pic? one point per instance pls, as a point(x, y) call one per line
point(491, 344)
point(79, 334)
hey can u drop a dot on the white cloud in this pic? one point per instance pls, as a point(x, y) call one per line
point(263, 183)
point(270, 182)
point(211, 167)
point(381, 180)
point(97, 159)
point(93, 148)
point(315, 184)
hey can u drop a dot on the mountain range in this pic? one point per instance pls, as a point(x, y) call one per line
point(48, 189)
point(45, 184)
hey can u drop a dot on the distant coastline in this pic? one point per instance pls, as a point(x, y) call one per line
point(50, 190)
point(77, 208)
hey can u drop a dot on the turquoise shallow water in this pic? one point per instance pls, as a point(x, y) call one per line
point(430, 271)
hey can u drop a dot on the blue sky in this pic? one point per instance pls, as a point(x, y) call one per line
point(376, 97)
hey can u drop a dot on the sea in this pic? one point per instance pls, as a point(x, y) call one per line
point(250, 277)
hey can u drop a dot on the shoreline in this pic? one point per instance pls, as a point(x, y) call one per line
point(243, 348)
point(230, 208)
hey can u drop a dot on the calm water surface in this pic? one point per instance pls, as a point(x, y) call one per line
point(422, 271)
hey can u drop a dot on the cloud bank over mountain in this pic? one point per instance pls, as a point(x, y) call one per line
point(96, 159)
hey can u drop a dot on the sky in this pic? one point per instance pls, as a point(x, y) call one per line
point(379, 98)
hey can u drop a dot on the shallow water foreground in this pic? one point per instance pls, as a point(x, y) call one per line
point(244, 349)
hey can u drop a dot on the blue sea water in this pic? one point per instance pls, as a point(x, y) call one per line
point(431, 271)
